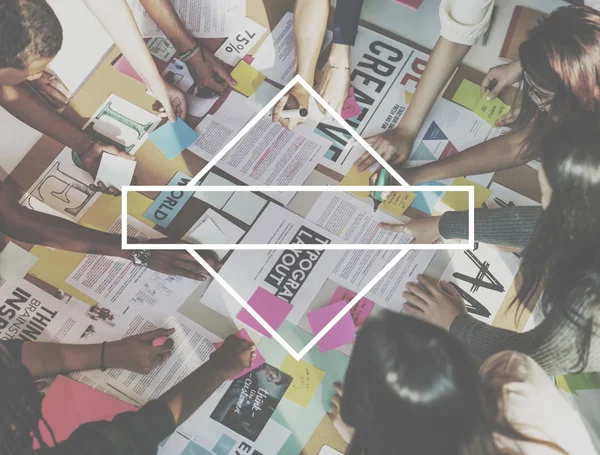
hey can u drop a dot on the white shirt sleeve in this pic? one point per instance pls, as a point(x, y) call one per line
point(463, 21)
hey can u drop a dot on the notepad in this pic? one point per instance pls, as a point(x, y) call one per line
point(491, 110)
point(173, 137)
point(248, 79)
point(467, 95)
point(115, 171)
point(341, 333)
point(271, 308)
point(306, 380)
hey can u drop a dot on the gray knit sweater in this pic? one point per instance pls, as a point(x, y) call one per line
point(553, 343)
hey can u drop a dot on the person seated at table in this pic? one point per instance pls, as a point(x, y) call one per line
point(411, 388)
point(558, 67)
point(463, 21)
point(129, 433)
point(560, 259)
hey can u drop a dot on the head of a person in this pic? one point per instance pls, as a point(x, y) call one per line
point(563, 255)
point(412, 388)
point(561, 69)
point(30, 37)
point(20, 407)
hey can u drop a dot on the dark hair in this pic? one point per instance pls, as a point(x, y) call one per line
point(563, 254)
point(20, 408)
point(29, 30)
point(561, 55)
point(411, 388)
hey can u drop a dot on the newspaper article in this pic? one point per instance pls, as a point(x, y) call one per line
point(202, 18)
point(354, 221)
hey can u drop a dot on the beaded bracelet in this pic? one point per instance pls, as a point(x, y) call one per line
point(189, 54)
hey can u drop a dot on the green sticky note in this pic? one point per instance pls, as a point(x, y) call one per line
point(574, 382)
point(468, 94)
point(491, 110)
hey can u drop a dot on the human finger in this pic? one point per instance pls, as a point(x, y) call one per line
point(166, 347)
point(488, 82)
point(278, 109)
point(415, 300)
point(393, 227)
point(149, 336)
point(419, 291)
point(413, 311)
point(428, 283)
point(447, 287)
point(222, 72)
point(339, 389)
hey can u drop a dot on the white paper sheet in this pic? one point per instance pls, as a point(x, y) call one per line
point(15, 262)
point(268, 154)
point(246, 270)
point(244, 206)
point(217, 199)
point(202, 18)
point(354, 221)
point(228, 232)
point(115, 171)
point(161, 48)
point(240, 43)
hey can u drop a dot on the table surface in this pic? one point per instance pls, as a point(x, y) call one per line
point(154, 168)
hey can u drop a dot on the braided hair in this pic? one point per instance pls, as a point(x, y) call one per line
point(20, 408)
point(29, 30)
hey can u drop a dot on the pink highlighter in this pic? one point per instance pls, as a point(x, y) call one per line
point(159, 341)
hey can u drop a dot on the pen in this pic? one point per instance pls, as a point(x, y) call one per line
point(294, 113)
point(381, 179)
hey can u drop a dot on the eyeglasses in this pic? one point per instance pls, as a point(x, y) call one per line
point(535, 95)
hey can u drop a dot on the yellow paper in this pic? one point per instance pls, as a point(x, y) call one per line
point(492, 110)
point(397, 202)
point(459, 200)
point(355, 178)
point(103, 213)
point(306, 380)
point(468, 94)
point(248, 79)
point(53, 267)
point(408, 97)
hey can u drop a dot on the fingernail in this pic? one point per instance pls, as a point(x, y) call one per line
point(490, 97)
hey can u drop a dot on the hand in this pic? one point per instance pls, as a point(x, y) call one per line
point(508, 118)
point(296, 98)
point(334, 413)
point(334, 86)
point(172, 100)
point(91, 157)
point(500, 77)
point(136, 353)
point(49, 87)
point(234, 355)
point(181, 263)
point(207, 71)
point(394, 146)
point(437, 303)
point(424, 230)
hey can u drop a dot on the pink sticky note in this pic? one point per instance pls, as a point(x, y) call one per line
point(159, 341)
point(258, 360)
point(351, 107)
point(359, 312)
point(272, 309)
point(248, 59)
point(414, 4)
point(63, 410)
point(340, 334)
point(122, 66)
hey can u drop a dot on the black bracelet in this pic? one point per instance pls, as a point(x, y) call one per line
point(102, 366)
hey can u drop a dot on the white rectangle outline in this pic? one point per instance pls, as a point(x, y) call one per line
point(270, 189)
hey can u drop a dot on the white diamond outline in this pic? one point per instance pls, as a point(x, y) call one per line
point(404, 186)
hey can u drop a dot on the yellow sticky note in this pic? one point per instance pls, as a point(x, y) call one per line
point(306, 380)
point(459, 200)
point(468, 94)
point(355, 178)
point(103, 213)
point(397, 202)
point(492, 110)
point(248, 79)
point(408, 97)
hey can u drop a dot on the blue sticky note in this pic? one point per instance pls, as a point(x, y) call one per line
point(167, 205)
point(194, 449)
point(173, 137)
point(426, 200)
point(224, 445)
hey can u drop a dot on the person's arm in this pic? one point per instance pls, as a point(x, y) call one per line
point(134, 353)
point(118, 21)
point(503, 152)
point(204, 67)
point(310, 23)
point(38, 228)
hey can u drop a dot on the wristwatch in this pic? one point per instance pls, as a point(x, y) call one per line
point(141, 257)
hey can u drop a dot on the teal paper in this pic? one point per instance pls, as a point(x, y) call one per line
point(173, 138)
point(302, 422)
point(167, 205)
point(426, 200)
